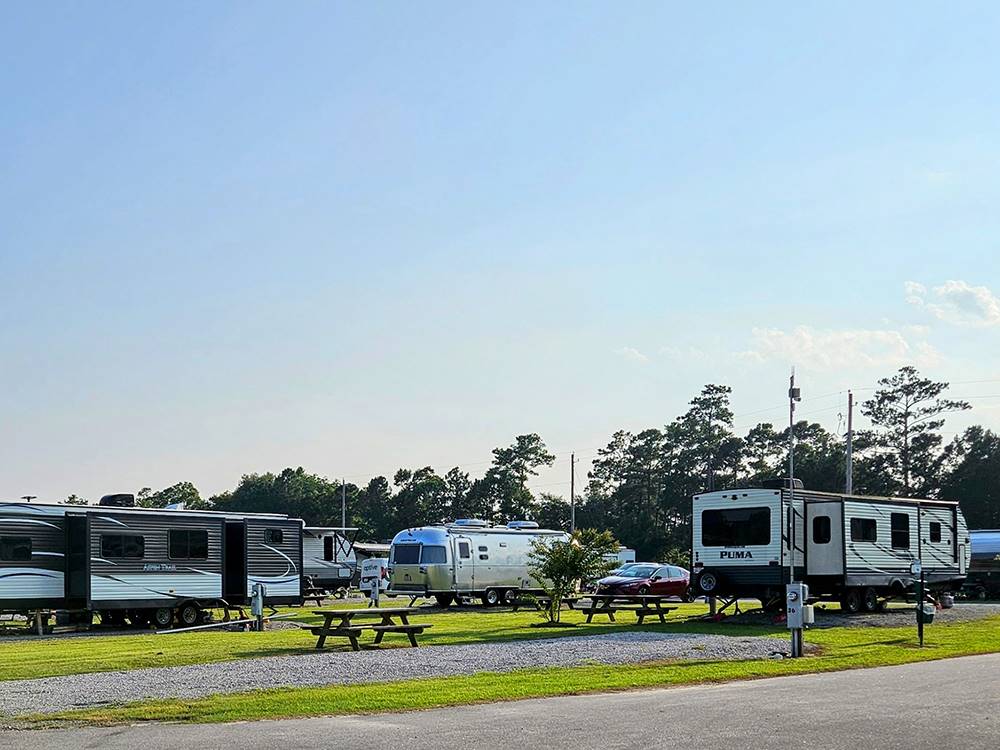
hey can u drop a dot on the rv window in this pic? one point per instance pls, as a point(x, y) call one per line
point(821, 530)
point(464, 551)
point(15, 548)
point(328, 548)
point(188, 544)
point(863, 530)
point(736, 527)
point(273, 536)
point(406, 554)
point(935, 531)
point(900, 530)
point(126, 546)
point(433, 555)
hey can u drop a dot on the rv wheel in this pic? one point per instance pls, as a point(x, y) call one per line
point(707, 582)
point(491, 597)
point(510, 596)
point(163, 617)
point(444, 600)
point(188, 614)
point(869, 600)
point(850, 602)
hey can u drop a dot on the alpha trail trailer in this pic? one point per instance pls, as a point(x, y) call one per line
point(850, 548)
point(143, 564)
point(464, 559)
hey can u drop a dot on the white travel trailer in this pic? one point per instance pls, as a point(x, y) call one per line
point(850, 548)
point(328, 556)
point(466, 558)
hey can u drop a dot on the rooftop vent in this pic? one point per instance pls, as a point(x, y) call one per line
point(522, 525)
point(118, 501)
point(477, 523)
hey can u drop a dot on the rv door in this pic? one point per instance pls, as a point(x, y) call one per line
point(465, 567)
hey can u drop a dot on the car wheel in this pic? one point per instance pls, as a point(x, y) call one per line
point(708, 583)
point(869, 600)
point(491, 597)
point(850, 602)
point(643, 590)
point(163, 617)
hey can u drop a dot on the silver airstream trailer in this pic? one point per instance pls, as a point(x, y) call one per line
point(466, 558)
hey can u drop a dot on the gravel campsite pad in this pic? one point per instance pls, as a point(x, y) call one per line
point(50, 694)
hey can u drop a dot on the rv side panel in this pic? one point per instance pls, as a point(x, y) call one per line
point(147, 559)
point(274, 558)
point(32, 556)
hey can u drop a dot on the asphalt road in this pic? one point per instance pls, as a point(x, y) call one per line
point(944, 704)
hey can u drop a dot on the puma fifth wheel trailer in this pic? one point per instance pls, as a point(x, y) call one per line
point(850, 548)
point(143, 564)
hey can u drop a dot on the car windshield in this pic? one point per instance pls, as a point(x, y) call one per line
point(639, 571)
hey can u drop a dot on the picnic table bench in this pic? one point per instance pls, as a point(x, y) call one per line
point(345, 627)
point(644, 605)
point(541, 601)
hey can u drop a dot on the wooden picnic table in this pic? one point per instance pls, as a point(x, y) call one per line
point(345, 626)
point(644, 605)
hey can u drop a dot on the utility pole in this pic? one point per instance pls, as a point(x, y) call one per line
point(849, 485)
point(343, 503)
point(795, 594)
point(572, 492)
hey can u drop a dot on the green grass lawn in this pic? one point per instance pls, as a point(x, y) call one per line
point(840, 648)
point(49, 657)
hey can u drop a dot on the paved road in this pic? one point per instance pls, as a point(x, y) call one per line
point(944, 704)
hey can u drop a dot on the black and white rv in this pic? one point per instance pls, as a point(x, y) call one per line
point(328, 558)
point(850, 548)
point(143, 564)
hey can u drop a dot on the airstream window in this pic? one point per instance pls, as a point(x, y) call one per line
point(736, 527)
point(406, 554)
point(15, 548)
point(900, 530)
point(464, 551)
point(935, 531)
point(432, 555)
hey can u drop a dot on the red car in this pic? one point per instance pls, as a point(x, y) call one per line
point(648, 578)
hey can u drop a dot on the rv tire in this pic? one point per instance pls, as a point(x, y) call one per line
point(491, 597)
point(869, 600)
point(510, 596)
point(163, 617)
point(707, 582)
point(188, 614)
point(444, 600)
point(850, 602)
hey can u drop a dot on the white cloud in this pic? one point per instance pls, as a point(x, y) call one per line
point(685, 354)
point(632, 354)
point(838, 348)
point(956, 302)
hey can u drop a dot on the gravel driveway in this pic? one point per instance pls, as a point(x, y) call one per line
point(49, 694)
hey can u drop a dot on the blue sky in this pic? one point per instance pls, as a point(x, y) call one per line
point(353, 237)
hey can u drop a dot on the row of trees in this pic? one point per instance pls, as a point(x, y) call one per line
point(641, 483)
